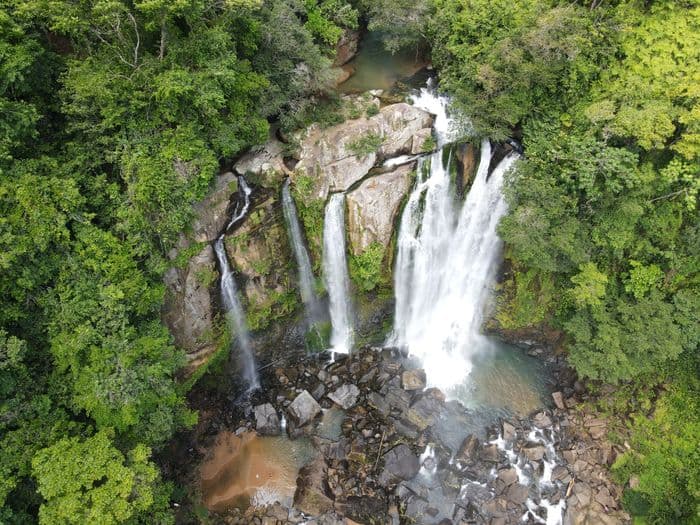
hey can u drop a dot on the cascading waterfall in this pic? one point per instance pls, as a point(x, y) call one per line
point(335, 273)
point(233, 308)
point(306, 277)
point(446, 259)
point(241, 207)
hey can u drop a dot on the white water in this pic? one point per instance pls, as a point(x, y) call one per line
point(241, 208)
point(335, 273)
point(447, 259)
point(306, 277)
point(235, 315)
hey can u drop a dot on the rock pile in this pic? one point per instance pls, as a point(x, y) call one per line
point(395, 456)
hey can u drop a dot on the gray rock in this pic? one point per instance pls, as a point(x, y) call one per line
point(401, 463)
point(508, 476)
point(345, 396)
point(311, 496)
point(210, 214)
point(424, 412)
point(508, 431)
point(263, 160)
point(303, 409)
point(267, 422)
point(518, 494)
point(558, 398)
point(468, 451)
point(542, 420)
point(413, 379)
point(420, 141)
point(534, 453)
point(373, 207)
point(188, 309)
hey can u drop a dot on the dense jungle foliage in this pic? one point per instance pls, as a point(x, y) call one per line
point(115, 116)
point(603, 233)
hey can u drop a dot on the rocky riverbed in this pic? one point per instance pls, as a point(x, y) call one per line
point(388, 450)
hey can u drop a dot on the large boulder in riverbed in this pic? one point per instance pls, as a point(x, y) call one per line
point(373, 207)
point(400, 463)
point(303, 409)
point(312, 493)
point(267, 422)
point(345, 396)
point(265, 163)
point(468, 451)
point(339, 156)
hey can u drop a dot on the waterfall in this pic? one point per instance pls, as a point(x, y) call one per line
point(335, 272)
point(235, 315)
point(241, 207)
point(306, 277)
point(446, 260)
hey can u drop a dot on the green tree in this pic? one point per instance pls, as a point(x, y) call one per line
point(90, 481)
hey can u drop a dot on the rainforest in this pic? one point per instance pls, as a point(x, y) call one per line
point(349, 261)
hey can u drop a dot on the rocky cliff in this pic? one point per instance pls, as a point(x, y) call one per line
point(344, 157)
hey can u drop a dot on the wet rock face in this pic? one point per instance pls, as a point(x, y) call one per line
point(374, 206)
point(413, 379)
point(188, 309)
point(190, 289)
point(339, 156)
point(259, 251)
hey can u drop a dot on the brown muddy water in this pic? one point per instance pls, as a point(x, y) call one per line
point(250, 470)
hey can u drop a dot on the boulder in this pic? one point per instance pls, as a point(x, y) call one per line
point(468, 451)
point(413, 379)
point(401, 463)
point(518, 494)
point(267, 422)
point(345, 396)
point(346, 48)
point(558, 398)
point(421, 139)
point(312, 493)
point(508, 432)
point(542, 420)
point(534, 453)
point(266, 160)
point(335, 161)
point(490, 453)
point(188, 310)
point(365, 509)
point(424, 412)
point(303, 409)
point(374, 206)
point(508, 476)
